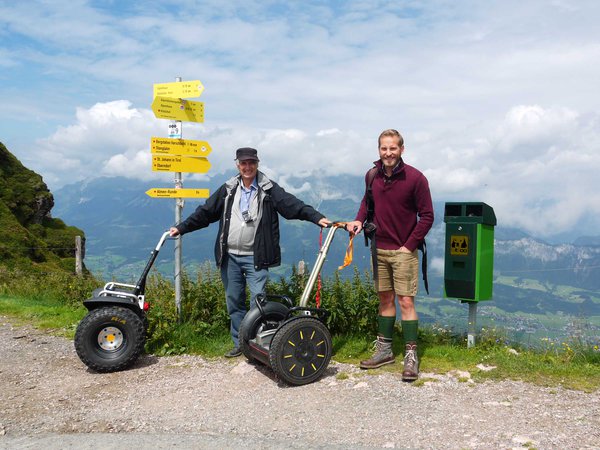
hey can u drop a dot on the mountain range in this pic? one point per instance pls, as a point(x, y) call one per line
point(121, 220)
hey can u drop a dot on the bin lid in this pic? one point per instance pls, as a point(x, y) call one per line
point(469, 212)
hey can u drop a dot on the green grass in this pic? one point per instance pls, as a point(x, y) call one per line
point(45, 314)
point(567, 364)
point(189, 338)
point(570, 366)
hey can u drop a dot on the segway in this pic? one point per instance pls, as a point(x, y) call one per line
point(112, 334)
point(292, 340)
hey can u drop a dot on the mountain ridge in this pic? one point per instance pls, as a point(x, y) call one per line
point(33, 239)
point(117, 205)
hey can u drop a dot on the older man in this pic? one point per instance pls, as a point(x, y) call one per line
point(247, 208)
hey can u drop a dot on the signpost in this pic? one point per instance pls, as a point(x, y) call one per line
point(166, 146)
point(179, 89)
point(177, 163)
point(177, 193)
point(174, 154)
point(178, 109)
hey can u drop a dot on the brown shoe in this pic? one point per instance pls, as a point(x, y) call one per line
point(411, 363)
point(383, 354)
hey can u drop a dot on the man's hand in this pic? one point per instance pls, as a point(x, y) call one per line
point(324, 222)
point(173, 232)
point(354, 227)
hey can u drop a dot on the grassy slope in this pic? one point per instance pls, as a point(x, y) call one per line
point(568, 365)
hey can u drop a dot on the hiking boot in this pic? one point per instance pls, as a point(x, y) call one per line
point(383, 354)
point(233, 353)
point(411, 363)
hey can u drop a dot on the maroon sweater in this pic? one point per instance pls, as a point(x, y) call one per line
point(399, 200)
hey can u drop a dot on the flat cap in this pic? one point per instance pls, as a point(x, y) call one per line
point(246, 154)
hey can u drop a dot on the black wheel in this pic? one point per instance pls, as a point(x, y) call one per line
point(254, 322)
point(110, 338)
point(300, 350)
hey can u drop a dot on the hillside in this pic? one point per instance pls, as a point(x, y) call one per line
point(31, 238)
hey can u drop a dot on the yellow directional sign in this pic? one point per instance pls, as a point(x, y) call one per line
point(178, 193)
point(175, 163)
point(178, 109)
point(179, 89)
point(168, 146)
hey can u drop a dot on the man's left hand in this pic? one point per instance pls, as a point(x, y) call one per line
point(324, 222)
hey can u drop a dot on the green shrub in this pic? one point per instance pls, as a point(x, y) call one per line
point(203, 311)
point(64, 287)
point(353, 304)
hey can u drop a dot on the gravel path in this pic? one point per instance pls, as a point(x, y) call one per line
point(50, 400)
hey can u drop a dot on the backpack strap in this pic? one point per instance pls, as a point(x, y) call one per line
point(423, 248)
point(369, 227)
point(369, 194)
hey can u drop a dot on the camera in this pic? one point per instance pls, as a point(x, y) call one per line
point(246, 216)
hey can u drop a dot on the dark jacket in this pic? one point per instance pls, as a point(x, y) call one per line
point(273, 200)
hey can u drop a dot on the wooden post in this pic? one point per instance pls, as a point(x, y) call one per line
point(301, 268)
point(78, 257)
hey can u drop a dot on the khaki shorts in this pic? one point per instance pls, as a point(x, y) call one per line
point(398, 271)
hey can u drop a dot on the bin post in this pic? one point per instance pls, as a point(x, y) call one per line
point(472, 326)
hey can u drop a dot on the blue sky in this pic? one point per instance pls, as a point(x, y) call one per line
point(498, 101)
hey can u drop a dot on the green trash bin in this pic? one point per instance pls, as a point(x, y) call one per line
point(469, 251)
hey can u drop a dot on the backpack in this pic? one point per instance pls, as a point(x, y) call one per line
point(369, 229)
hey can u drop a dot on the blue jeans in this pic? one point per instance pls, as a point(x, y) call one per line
point(237, 271)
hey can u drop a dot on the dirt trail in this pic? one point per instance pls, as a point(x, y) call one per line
point(50, 399)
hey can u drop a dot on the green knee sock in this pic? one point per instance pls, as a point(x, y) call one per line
point(410, 330)
point(385, 326)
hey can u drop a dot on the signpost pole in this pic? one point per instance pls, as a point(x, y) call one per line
point(173, 154)
point(178, 242)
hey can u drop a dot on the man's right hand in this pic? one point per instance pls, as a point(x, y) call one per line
point(354, 227)
point(173, 232)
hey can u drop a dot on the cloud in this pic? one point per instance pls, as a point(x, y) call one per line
point(538, 168)
point(531, 129)
point(101, 136)
point(129, 166)
point(493, 98)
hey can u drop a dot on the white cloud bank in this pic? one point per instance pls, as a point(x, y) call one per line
point(538, 168)
point(496, 99)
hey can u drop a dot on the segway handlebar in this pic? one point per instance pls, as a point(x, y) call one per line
point(333, 227)
point(141, 284)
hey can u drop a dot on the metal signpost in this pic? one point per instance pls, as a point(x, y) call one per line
point(174, 154)
point(177, 163)
point(180, 147)
point(178, 109)
point(177, 193)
